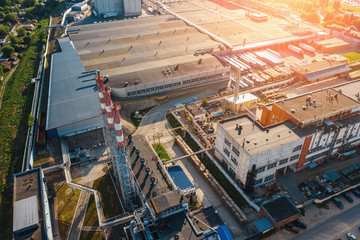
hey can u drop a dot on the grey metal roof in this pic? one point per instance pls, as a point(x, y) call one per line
point(73, 95)
point(26, 214)
point(327, 72)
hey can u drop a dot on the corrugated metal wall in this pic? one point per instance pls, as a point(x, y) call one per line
point(109, 7)
point(132, 7)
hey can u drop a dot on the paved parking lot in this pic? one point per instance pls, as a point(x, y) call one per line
point(292, 180)
point(332, 223)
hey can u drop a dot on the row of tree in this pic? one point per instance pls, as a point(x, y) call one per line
point(342, 20)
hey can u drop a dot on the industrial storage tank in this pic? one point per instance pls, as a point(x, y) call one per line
point(109, 8)
point(132, 8)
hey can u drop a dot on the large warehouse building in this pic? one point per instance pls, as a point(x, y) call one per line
point(148, 56)
point(321, 70)
point(73, 104)
point(291, 134)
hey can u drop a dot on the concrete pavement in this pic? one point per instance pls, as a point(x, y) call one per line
point(155, 120)
point(335, 227)
point(331, 223)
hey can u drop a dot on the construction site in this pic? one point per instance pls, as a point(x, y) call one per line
point(200, 121)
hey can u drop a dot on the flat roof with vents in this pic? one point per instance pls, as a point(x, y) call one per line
point(143, 180)
point(257, 139)
point(139, 50)
point(323, 107)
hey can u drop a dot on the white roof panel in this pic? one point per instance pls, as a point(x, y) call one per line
point(26, 214)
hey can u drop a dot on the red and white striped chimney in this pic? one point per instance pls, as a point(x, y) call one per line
point(108, 106)
point(118, 126)
point(100, 84)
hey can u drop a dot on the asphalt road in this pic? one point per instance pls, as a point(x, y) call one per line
point(335, 227)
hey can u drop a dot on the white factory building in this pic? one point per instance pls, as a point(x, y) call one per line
point(288, 136)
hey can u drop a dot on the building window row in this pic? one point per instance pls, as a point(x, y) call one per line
point(234, 160)
point(272, 165)
point(132, 93)
point(281, 162)
point(297, 148)
point(318, 148)
point(258, 181)
point(226, 152)
point(227, 142)
point(269, 178)
point(260, 169)
point(295, 157)
point(237, 153)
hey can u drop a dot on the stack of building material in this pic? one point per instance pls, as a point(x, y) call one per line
point(269, 58)
point(285, 71)
point(273, 94)
point(354, 75)
point(265, 76)
point(332, 45)
point(275, 75)
point(258, 80)
point(336, 58)
point(355, 66)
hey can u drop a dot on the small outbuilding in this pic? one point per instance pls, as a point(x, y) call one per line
point(280, 211)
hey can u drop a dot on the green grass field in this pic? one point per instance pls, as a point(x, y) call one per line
point(109, 201)
point(352, 56)
point(67, 200)
point(91, 235)
point(91, 217)
point(161, 152)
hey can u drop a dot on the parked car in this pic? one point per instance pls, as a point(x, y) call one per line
point(292, 228)
point(356, 192)
point(348, 198)
point(338, 202)
point(351, 236)
point(299, 224)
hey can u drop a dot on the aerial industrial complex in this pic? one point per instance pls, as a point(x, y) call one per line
point(206, 162)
